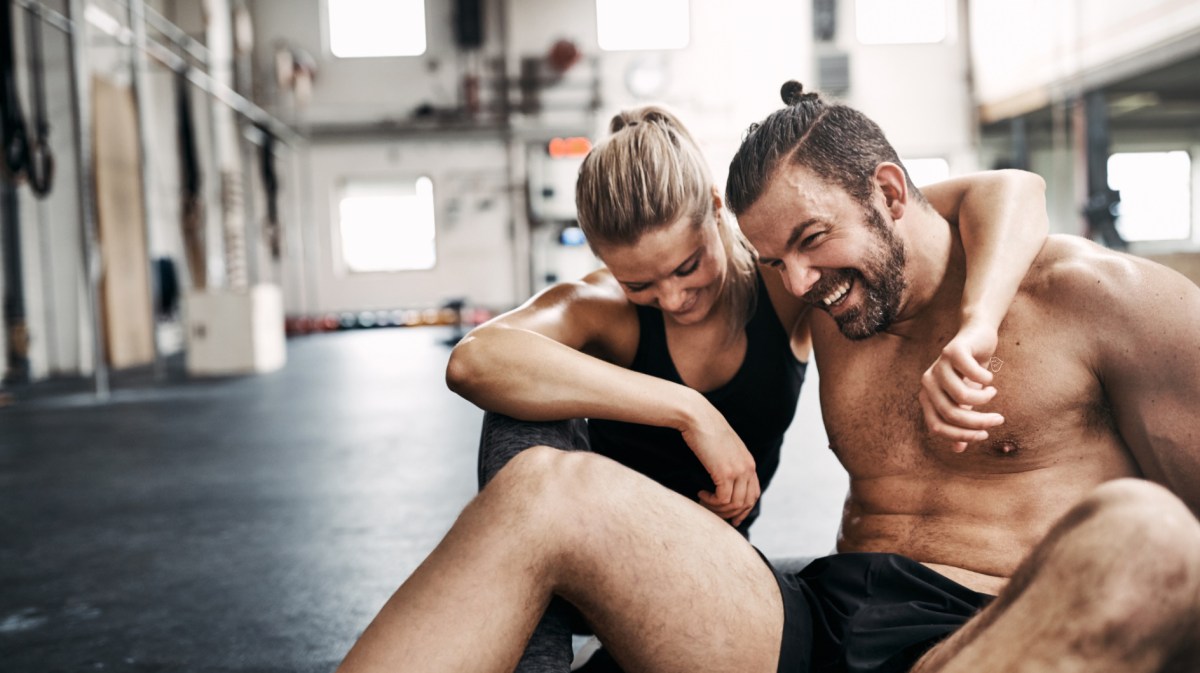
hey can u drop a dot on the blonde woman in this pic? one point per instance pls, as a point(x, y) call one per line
point(684, 358)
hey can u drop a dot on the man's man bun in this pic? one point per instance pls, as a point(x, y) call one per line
point(792, 93)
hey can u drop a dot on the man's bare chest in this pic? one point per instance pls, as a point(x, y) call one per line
point(869, 395)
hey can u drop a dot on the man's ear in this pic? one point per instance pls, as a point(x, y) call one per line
point(893, 183)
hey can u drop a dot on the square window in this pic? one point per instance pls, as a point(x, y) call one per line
point(1155, 194)
point(627, 25)
point(376, 28)
point(900, 21)
point(387, 225)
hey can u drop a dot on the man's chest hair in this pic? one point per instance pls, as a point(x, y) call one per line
point(1053, 405)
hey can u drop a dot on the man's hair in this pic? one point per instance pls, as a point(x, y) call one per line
point(834, 141)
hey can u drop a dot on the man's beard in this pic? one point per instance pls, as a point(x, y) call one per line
point(881, 278)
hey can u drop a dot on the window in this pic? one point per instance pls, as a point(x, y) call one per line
point(387, 225)
point(926, 171)
point(900, 21)
point(625, 25)
point(374, 28)
point(1155, 194)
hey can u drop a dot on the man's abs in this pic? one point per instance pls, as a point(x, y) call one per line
point(974, 528)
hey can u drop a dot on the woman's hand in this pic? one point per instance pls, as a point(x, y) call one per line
point(728, 463)
point(958, 382)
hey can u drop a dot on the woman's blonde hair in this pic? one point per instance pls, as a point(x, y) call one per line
point(647, 174)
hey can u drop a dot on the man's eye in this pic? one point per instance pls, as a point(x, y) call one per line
point(635, 288)
point(809, 240)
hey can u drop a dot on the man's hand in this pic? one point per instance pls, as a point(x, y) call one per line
point(958, 382)
point(728, 463)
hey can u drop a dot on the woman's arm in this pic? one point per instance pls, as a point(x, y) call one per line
point(564, 354)
point(1001, 217)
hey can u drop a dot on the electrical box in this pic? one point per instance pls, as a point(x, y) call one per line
point(553, 172)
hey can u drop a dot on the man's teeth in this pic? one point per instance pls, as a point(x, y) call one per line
point(837, 294)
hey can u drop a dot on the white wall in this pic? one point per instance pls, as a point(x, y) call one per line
point(474, 251)
point(727, 77)
point(52, 258)
point(1029, 52)
point(918, 93)
point(356, 89)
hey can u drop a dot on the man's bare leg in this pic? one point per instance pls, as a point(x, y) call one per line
point(1114, 586)
point(666, 585)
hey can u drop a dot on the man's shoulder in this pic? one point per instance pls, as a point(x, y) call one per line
point(1075, 275)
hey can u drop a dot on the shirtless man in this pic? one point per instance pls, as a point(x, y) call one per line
point(1095, 567)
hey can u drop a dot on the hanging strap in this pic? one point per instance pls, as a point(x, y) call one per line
point(12, 120)
point(40, 161)
point(190, 181)
point(24, 157)
point(271, 188)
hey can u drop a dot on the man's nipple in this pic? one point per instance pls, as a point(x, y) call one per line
point(1005, 449)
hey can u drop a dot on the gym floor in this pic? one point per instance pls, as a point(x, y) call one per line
point(258, 523)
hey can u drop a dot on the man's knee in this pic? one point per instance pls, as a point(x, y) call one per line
point(1160, 537)
point(547, 479)
point(1140, 505)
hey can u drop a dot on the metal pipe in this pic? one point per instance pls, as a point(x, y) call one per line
point(515, 167)
point(305, 223)
point(45, 250)
point(223, 93)
point(141, 86)
point(16, 370)
point(175, 34)
point(168, 58)
point(49, 16)
point(81, 91)
point(252, 230)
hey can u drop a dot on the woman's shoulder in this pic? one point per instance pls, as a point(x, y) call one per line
point(596, 293)
point(596, 305)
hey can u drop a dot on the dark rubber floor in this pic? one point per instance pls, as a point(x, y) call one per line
point(258, 523)
point(249, 524)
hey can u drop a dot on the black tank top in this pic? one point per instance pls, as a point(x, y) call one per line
point(759, 403)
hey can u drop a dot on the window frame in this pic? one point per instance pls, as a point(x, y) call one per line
point(1192, 242)
point(326, 21)
point(338, 248)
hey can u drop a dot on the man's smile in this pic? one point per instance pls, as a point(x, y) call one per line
point(838, 294)
point(833, 292)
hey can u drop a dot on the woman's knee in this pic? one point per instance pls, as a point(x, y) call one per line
point(503, 438)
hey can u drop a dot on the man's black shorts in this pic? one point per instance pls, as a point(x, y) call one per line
point(868, 613)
